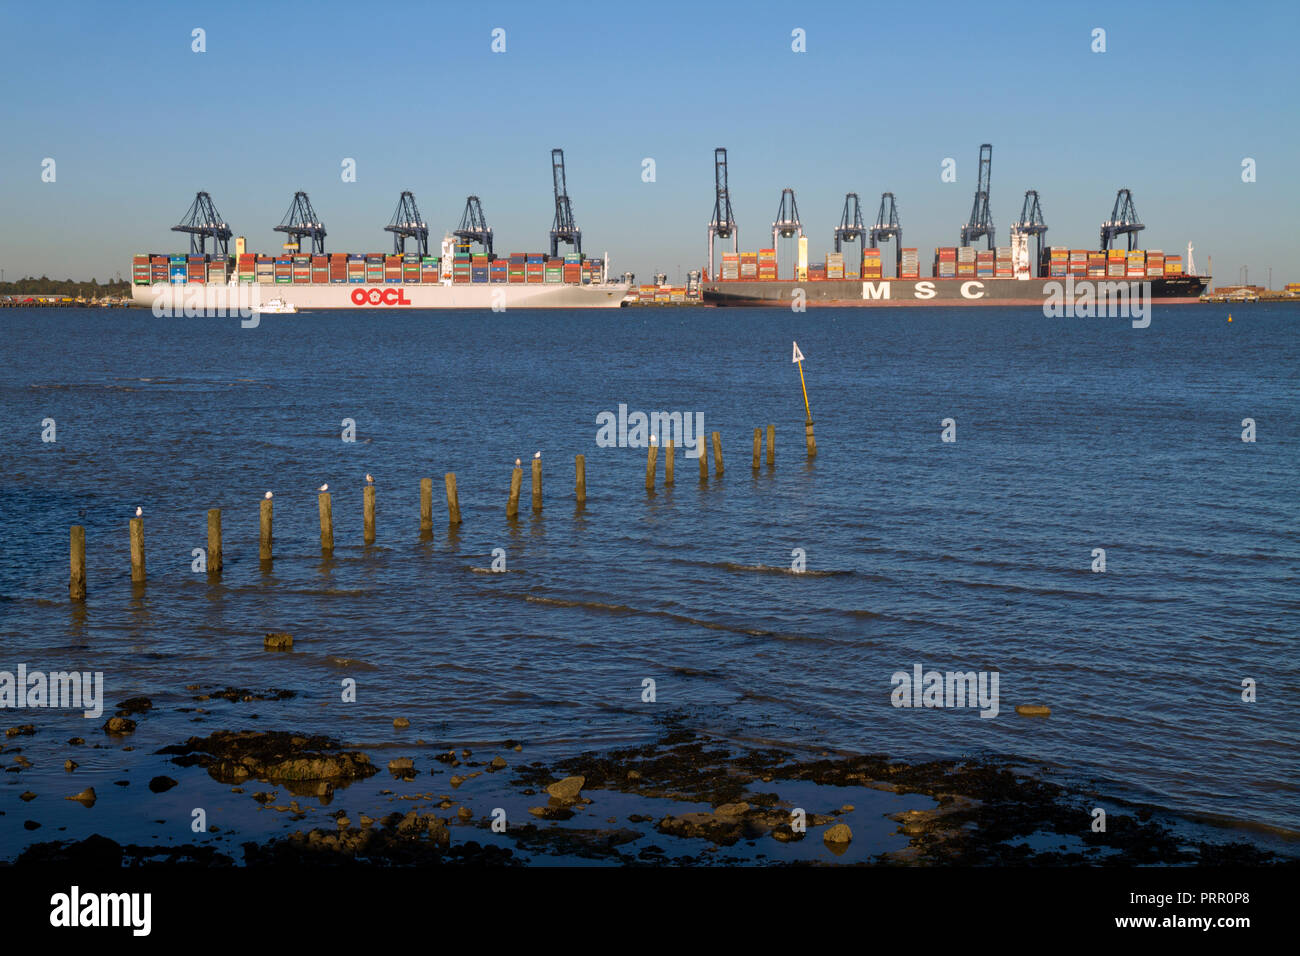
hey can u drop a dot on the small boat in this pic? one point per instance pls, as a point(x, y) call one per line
point(276, 307)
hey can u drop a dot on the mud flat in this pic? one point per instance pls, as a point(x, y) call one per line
point(684, 800)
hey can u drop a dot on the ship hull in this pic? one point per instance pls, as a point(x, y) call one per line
point(944, 292)
point(196, 298)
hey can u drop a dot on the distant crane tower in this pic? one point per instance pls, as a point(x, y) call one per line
point(851, 227)
point(407, 224)
point(723, 224)
point(563, 229)
point(888, 227)
point(981, 220)
point(474, 228)
point(202, 222)
point(787, 223)
point(301, 220)
point(1123, 221)
point(1032, 223)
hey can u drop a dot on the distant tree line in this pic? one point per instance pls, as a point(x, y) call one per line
point(70, 287)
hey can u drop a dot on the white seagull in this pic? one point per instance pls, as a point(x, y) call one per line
point(324, 487)
point(369, 478)
point(139, 511)
point(517, 462)
point(268, 496)
point(537, 454)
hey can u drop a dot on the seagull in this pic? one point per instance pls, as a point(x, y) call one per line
point(537, 454)
point(654, 440)
point(517, 462)
point(268, 496)
point(139, 511)
point(370, 478)
point(324, 487)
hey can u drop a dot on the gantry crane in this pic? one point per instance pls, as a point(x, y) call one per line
point(1123, 221)
point(564, 228)
point(1032, 223)
point(787, 224)
point(407, 224)
point(202, 222)
point(474, 228)
point(888, 227)
point(301, 220)
point(723, 224)
point(981, 220)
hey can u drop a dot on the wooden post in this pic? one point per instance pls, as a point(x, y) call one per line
point(264, 547)
point(771, 445)
point(516, 482)
point(326, 523)
point(453, 500)
point(537, 484)
point(809, 439)
point(368, 514)
point(717, 454)
point(426, 505)
point(137, 551)
point(704, 458)
point(215, 562)
point(651, 461)
point(758, 446)
point(580, 478)
point(670, 459)
point(77, 582)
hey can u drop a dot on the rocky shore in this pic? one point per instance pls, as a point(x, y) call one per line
point(684, 800)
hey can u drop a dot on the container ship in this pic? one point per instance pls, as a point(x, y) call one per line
point(295, 280)
point(958, 275)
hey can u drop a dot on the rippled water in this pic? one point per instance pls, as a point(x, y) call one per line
point(1072, 434)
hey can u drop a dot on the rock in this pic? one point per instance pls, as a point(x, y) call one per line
point(27, 797)
point(838, 834)
point(465, 813)
point(262, 796)
point(343, 822)
point(1033, 710)
point(85, 798)
point(567, 790)
point(161, 784)
point(518, 747)
point(401, 766)
point(731, 811)
point(278, 641)
point(634, 775)
point(551, 813)
point(120, 726)
point(76, 741)
point(847, 808)
point(498, 763)
point(26, 730)
point(134, 705)
point(70, 765)
point(401, 723)
point(22, 761)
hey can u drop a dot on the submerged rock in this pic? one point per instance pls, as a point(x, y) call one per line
point(278, 641)
point(85, 798)
point(567, 790)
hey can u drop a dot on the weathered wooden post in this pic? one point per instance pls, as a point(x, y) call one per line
point(264, 551)
point(426, 505)
point(809, 440)
point(368, 514)
point(453, 500)
point(580, 478)
point(717, 454)
point(670, 460)
point(137, 550)
point(771, 445)
point(537, 484)
point(326, 523)
point(516, 483)
point(704, 458)
point(77, 580)
point(651, 462)
point(758, 446)
point(215, 560)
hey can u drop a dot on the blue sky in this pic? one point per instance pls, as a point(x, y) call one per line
point(137, 123)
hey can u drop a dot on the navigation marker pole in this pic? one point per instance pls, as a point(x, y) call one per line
point(808, 422)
